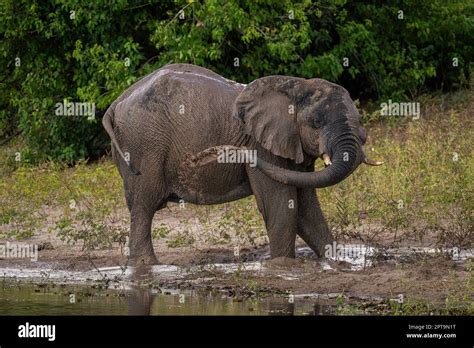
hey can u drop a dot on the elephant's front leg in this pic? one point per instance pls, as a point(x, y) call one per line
point(312, 227)
point(278, 205)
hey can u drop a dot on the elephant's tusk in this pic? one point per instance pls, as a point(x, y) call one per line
point(372, 162)
point(326, 159)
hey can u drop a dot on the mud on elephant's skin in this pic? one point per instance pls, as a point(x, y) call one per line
point(169, 127)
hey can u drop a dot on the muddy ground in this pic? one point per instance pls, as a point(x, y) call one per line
point(429, 276)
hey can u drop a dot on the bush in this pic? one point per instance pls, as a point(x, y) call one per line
point(68, 50)
point(90, 52)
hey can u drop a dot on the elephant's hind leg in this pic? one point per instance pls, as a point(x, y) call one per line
point(141, 244)
point(312, 227)
point(145, 195)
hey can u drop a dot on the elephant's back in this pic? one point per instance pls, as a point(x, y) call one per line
point(197, 74)
point(198, 94)
point(190, 90)
point(179, 110)
point(172, 78)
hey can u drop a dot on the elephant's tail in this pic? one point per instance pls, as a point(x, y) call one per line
point(107, 122)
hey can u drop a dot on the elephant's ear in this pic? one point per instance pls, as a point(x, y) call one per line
point(268, 111)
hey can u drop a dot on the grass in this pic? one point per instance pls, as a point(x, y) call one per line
point(457, 301)
point(423, 193)
point(82, 203)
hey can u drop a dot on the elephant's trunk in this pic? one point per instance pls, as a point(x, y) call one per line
point(346, 152)
point(346, 156)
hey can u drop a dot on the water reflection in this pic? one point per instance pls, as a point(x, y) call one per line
point(21, 298)
point(140, 301)
point(281, 308)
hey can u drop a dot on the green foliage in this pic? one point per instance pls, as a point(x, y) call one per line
point(389, 53)
point(93, 233)
point(160, 232)
point(67, 50)
point(181, 239)
point(92, 51)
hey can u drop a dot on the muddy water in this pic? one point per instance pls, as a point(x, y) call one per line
point(34, 299)
point(114, 290)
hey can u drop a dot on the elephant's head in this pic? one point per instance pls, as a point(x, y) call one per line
point(301, 119)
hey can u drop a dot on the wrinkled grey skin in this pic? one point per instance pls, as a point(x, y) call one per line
point(161, 126)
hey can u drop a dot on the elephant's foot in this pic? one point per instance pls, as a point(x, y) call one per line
point(318, 239)
point(282, 254)
point(284, 261)
point(324, 241)
point(143, 260)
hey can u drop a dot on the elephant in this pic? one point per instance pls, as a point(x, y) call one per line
point(172, 131)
